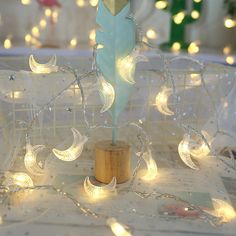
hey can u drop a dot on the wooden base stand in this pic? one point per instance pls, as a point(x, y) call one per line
point(112, 161)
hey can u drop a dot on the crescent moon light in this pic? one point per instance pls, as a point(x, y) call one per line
point(20, 179)
point(201, 150)
point(30, 159)
point(162, 101)
point(184, 153)
point(151, 173)
point(117, 228)
point(223, 210)
point(43, 68)
point(97, 192)
point(107, 92)
point(75, 150)
point(127, 65)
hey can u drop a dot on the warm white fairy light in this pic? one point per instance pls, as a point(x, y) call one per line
point(92, 36)
point(35, 31)
point(179, 17)
point(195, 79)
point(107, 92)
point(117, 228)
point(126, 66)
point(30, 159)
point(46, 68)
point(28, 38)
point(75, 150)
point(73, 43)
point(151, 172)
point(99, 192)
point(227, 50)
point(162, 101)
point(55, 14)
point(229, 22)
point(7, 43)
point(151, 34)
point(47, 12)
point(193, 48)
point(176, 46)
point(43, 23)
point(223, 210)
point(230, 60)
point(25, 2)
point(161, 4)
point(20, 179)
point(93, 3)
point(80, 3)
point(197, 1)
point(195, 14)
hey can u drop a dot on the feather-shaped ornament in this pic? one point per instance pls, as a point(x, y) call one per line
point(116, 42)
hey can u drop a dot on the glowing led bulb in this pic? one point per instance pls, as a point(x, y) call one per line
point(80, 3)
point(25, 2)
point(107, 92)
point(195, 14)
point(73, 43)
point(193, 48)
point(30, 159)
point(48, 12)
point(151, 34)
point(176, 47)
point(162, 101)
point(28, 38)
point(35, 31)
point(93, 3)
point(179, 17)
point(46, 68)
point(55, 15)
point(126, 66)
point(230, 60)
point(151, 173)
point(229, 22)
point(43, 23)
point(184, 153)
point(75, 150)
point(195, 79)
point(161, 4)
point(7, 43)
point(197, 1)
point(223, 210)
point(117, 228)
point(20, 179)
point(227, 50)
point(92, 36)
point(98, 192)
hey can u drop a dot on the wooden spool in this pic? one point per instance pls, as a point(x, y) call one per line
point(112, 161)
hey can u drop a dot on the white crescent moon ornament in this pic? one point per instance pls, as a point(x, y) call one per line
point(184, 153)
point(200, 150)
point(162, 101)
point(107, 92)
point(126, 66)
point(20, 179)
point(30, 159)
point(97, 192)
point(223, 210)
point(151, 173)
point(75, 150)
point(46, 68)
point(117, 228)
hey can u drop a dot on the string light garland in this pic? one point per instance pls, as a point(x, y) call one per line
point(117, 228)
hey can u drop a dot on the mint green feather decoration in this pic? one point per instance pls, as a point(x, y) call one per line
point(117, 36)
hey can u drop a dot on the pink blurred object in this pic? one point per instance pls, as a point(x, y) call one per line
point(49, 3)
